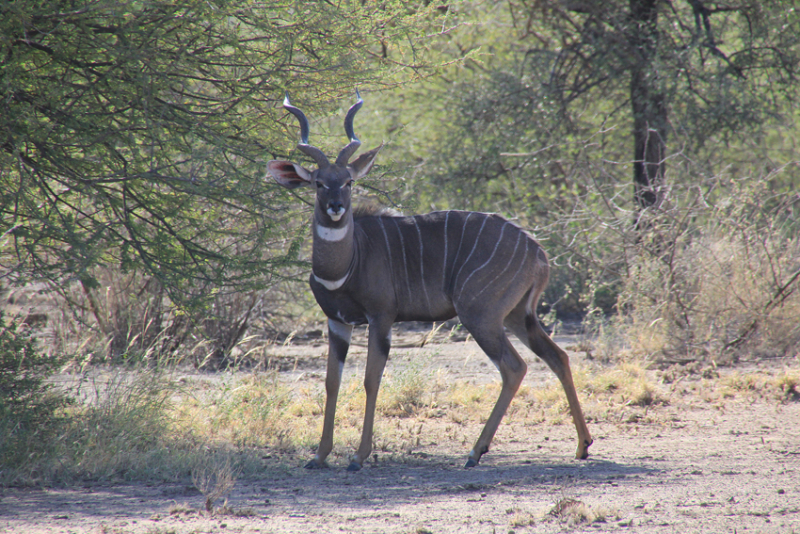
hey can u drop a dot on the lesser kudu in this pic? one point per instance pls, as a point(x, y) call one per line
point(380, 269)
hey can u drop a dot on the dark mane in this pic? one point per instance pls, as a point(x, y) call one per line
point(373, 209)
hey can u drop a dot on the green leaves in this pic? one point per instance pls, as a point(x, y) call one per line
point(135, 134)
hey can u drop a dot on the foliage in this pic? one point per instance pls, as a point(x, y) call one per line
point(133, 137)
point(133, 140)
point(538, 121)
point(686, 69)
point(541, 77)
point(555, 80)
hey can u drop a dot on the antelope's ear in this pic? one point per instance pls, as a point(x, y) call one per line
point(362, 165)
point(288, 174)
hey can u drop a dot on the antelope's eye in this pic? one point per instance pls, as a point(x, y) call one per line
point(349, 183)
point(320, 185)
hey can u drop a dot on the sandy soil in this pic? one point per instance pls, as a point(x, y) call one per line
point(692, 466)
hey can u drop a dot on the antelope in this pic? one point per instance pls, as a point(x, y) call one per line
point(379, 269)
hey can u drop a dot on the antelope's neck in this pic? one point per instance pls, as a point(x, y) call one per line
point(333, 250)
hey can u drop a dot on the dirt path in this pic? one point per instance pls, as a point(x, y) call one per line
point(694, 466)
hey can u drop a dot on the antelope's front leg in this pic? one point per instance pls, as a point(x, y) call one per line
point(338, 344)
point(380, 339)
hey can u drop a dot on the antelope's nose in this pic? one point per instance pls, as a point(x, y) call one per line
point(335, 209)
point(335, 206)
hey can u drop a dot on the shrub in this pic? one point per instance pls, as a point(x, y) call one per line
point(711, 273)
point(723, 282)
point(29, 405)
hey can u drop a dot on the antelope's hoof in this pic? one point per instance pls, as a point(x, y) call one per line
point(583, 450)
point(475, 457)
point(354, 466)
point(313, 464)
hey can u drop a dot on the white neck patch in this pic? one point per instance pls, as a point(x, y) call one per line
point(332, 285)
point(332, 234)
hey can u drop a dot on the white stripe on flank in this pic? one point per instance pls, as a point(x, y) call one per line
point(510, 261)
point(421, 264)
point(499, 239)
point(332, 285)
point(525, 257)
point(460, 242)
point(474, 245)
point(332, 234)
point(388, 247)
point(405, 260)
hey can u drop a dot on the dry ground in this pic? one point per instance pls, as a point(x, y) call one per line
point(695, 463)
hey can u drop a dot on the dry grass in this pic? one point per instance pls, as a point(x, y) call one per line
point(788, 383)
point(519, 518)
point(407, 391)
point(143, 424)
point(574, 512)
point(782, 387)
point(729, 294)
point(215, 477)
point(258, 410)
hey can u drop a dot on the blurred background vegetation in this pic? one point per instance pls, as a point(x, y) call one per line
point(651, 146)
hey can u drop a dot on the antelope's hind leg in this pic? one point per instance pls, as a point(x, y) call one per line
point(338, 344)
point(527, 328)
point(512, 367)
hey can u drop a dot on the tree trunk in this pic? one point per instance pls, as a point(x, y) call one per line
point(649, 107)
